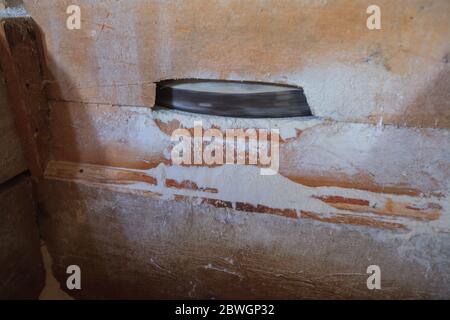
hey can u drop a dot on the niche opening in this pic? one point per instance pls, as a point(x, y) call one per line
point(241, 99)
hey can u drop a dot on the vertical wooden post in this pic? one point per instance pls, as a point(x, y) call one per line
point(22, 59)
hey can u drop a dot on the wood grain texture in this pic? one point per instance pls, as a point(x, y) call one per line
point(348, 194)
point(397, 75)
point(97, 174)
point(22, 60)
point(130, 246)
point(377, 159)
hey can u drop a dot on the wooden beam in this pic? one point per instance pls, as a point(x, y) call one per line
point(22, 56)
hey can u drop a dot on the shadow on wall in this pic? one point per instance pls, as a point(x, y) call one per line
point(95, 228)
point(68, 244)
point(28, 78)
point(116, 264)
point(432, 102)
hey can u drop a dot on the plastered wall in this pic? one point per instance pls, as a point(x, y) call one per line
point(370, 172)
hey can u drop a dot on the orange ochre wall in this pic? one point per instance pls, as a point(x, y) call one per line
point(366, 181)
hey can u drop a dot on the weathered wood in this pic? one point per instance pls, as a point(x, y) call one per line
point(21, 56)
point(21, 270)
point(23, 106)
point(133, 246)
point(138, 138)
point(97, 174)
point(347, 195)
point(398, 75)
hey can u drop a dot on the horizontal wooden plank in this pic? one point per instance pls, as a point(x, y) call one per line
point(387, 211)
point(398, 75)
point(379, 177)
point(96, 174)
point(383, 159)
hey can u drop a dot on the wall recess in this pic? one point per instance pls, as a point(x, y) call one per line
point(232, 98)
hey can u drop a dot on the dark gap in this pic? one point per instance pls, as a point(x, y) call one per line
point(14, 180)
point(241, 99)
